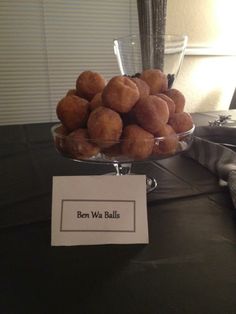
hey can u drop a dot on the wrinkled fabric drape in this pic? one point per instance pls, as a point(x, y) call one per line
point(152, 23)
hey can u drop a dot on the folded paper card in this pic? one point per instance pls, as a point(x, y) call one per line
point(89, 210)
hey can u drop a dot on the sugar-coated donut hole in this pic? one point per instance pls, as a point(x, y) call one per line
point(156, 80)
point(137, 143)
point(73, 112)
point(104, 126)
point(78, 145)
point(120, 94)
point(181, 122)
point(177, 97)
point(169, 101)
point(89, 83)
point(167, 143)
point(151, 113)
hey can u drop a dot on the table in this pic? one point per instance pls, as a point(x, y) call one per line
point(189, 266)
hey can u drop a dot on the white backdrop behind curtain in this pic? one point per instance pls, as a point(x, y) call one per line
point(45, 44)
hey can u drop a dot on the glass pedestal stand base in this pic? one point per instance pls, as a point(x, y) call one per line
point(122, 169)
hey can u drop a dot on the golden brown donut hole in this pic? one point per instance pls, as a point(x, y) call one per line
point(104, 126)
point(120, 94)
point(177, 97)
point(181, 122)
point(144, 89)
point(73, 112)
point(169, 101)
point(89, 83)
point(137, 143)
point(151, 113)
point(79, 146)
point(168, 142)
point(156, 80)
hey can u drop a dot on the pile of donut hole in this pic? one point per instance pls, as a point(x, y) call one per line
point(123, 116)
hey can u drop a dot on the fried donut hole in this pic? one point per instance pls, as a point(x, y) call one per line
point(96, 102)
point(151, 113)
point(60, 134)
point(168, 144)
point(169, 101)
point(137, 143)
point(178, 99)
point(156, 80)
point(181, 122)
point(104, 126)
point(120, 94)
point(89, 83)
point(78, 145)
point(144, 89)
point(73, 112)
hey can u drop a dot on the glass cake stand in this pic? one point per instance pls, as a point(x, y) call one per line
point(113, 153)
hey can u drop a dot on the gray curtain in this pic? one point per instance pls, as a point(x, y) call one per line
point(152, 25)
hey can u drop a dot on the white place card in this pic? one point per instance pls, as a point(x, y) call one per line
point(89, 210)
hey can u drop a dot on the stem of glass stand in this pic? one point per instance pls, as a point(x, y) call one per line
point(122, 168)
point(125, 169)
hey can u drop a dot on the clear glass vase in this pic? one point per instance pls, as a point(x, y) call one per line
point(136, 53)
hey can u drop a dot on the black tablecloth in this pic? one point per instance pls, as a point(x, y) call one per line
point(189, 266)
